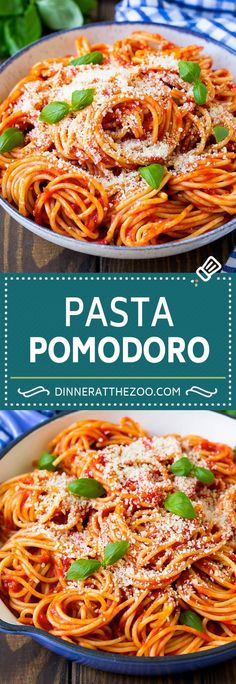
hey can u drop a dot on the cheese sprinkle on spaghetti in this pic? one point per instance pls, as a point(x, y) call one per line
point(79, 175)
point(179, 557)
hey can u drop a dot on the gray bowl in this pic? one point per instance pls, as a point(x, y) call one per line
point(17, 459)
point(62, 43)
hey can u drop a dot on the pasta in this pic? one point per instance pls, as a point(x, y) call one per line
point(135, 149)
point(155, 541)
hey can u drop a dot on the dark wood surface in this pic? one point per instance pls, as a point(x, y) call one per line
point(22, 661)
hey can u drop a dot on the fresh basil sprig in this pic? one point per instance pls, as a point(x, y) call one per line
point(114, 552)
point(191, 619)
point(3, 48)
point(179, 504)
point(86, 5)
point(220, 133)
point(82, 568)
point(46, 461)
point(182, 467)
point(11, 138)
point(189, 71)
point(23, 29)
point(152, 174)
point(12, 7)
point(82, 98)
point(57, 14)
point(85, 567)
point(87, 487)
point(23, 21)
point(54, 112)
point(89, 58)
point(200, 92)
point(204, 475)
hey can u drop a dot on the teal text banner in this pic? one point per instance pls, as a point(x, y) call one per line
point(98, 341)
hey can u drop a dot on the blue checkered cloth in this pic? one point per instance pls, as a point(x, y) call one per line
point(15, 423)
point(212, 18)
point(230, 266)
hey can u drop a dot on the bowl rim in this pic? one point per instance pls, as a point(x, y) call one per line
point(97, 655)
point(68, 241)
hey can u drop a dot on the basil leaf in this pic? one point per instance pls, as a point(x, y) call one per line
point(82, 568)
point(182, 467)
point(22, 30)
point(46, 461)
point(220, 133)
point(200, 92)
point(89, 58)
point(87, 487)
point(11, 138)
point(54, 112)
point(189, 71)
point(191, 619)
point(114, 551)
point(58, 14)
point(4, 52)
point(82, 98)
point(179, 504)
point(86, 5)
point(12, 8)
point(152, 174)
point(204, 475)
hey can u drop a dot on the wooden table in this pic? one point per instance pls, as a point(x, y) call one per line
point(21, 659)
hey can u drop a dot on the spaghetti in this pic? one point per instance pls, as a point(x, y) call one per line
point(124, 108)
point(173, 590)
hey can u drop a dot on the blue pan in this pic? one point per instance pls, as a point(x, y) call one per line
point(17, 458)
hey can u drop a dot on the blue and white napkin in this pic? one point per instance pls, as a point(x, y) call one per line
point(15, 423)
point(230, 266)
point(214, 18)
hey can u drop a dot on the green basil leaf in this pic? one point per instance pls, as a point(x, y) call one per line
point(189, 71)
point(204, 475)
point(89, 58)
point(200, 92)
point(22, 30)
point(54, 112)
point(179, 504)
point(12, 8)
point(182, 467)
point(87, 487)
point(191, 619)
point(86, 5)
point(82, 568)
point(82, 98)
point(220, 133)
point(114, 552)
point(4, 52)
point(58, 14)
point(46, 461)
point(11, 138)
point(152, 174)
